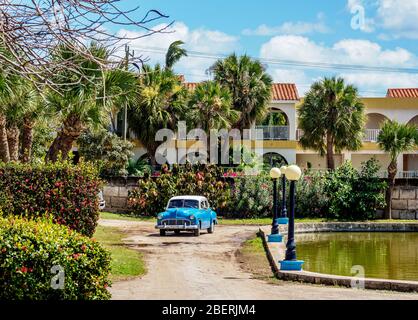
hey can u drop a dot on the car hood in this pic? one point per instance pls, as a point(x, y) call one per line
point(179, 213)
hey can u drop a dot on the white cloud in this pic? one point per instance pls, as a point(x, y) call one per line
point(396, 18)
point(295, 28)
point(347, 52)
point(199, 40)
point(360, 19)
point(399, 18)
point(380, 82)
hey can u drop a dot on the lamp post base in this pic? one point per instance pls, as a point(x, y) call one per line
point(283, 221)
point(275, 238)
point(291, 265)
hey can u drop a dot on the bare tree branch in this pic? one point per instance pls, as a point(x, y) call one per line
point(30, 30)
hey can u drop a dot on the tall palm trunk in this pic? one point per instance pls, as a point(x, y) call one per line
point(13, 134)
point(63, 143)
point(330, 152)
point(392, 171)
point(27, 140)
point(4, 145)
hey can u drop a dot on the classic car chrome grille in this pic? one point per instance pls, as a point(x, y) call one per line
point(176, 222)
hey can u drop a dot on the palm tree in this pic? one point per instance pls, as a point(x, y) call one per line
point(88, 92)
point(249, 84)
point(174, 53)
point(211, 107)
point(31, 117)
point(332, 118)
point(395, 139)
point(19, 100)
point(4, 146)
point(160, 104)
point(16, 96)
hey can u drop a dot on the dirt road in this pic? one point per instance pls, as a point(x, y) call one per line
point(205, 268)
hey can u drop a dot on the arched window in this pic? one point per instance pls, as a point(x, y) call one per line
point(414, 121)
point(273, 159)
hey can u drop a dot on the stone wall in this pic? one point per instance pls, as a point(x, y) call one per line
point(116, 193)
point(405, 203)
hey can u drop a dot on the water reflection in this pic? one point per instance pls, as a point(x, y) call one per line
point(383, 255)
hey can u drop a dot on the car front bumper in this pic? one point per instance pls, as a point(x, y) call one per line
point(176, 227)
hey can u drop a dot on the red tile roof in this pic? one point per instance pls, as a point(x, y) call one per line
point(280, 91)
point(285, 91)
point(403, 93)
point(191, 85)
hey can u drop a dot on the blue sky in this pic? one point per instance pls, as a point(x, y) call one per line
point(373, 33)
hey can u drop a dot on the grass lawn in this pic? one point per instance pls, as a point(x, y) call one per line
point(223, 221)
point(252, 258)
point(125, 217)
point(126, 262)
point(262, 221)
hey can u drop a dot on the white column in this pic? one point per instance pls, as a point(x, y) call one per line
point(400, 163)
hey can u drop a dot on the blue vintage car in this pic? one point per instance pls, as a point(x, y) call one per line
point(187, 213)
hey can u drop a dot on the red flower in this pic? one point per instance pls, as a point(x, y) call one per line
point(76, 256)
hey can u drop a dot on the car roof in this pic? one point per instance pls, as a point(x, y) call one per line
point(198, 198)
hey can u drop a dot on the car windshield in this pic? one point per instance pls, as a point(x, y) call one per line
point(183, 204)
point(191, 204)
point(175, 204)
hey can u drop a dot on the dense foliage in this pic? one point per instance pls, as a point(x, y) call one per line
point(332, 118)
point(344, 194)
point(153, 193)
point(68, 193)
point(252, 197)
point(33, 252)
point(106, 149)
point(395, 138)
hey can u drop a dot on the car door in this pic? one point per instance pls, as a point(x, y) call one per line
point(205, 213)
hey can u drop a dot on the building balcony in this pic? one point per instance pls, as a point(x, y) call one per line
point(371, 135)
point(272, 132)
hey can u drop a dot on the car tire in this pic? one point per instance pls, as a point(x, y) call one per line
point(212, 228)
point(196, 232)
point(162, 233)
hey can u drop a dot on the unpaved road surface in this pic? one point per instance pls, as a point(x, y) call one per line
point(205, 268)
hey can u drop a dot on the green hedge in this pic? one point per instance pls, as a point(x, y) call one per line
point(153, 193)
point(29, 249)
point(66, 192)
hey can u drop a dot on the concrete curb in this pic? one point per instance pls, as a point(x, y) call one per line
point(275, 253)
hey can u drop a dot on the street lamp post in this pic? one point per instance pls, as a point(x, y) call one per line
point(275, 233)
point(283, 214)
point(293, 174)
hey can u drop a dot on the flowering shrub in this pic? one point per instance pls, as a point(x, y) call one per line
point(252, 197)
point(33, 252)
point(153, 193)
point(106, 150)
point(343, 194)
point(65, 192)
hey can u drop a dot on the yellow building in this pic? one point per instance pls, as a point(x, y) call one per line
point(277, 141)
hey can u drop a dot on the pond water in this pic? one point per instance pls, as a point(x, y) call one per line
point(383, 255)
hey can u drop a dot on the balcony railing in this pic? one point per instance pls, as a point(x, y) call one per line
point(371, 135)
point(401, 174)
point(299, 134)
point(272, 133)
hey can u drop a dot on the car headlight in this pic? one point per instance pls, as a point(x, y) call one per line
point(160, 216)
point(192, 217)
